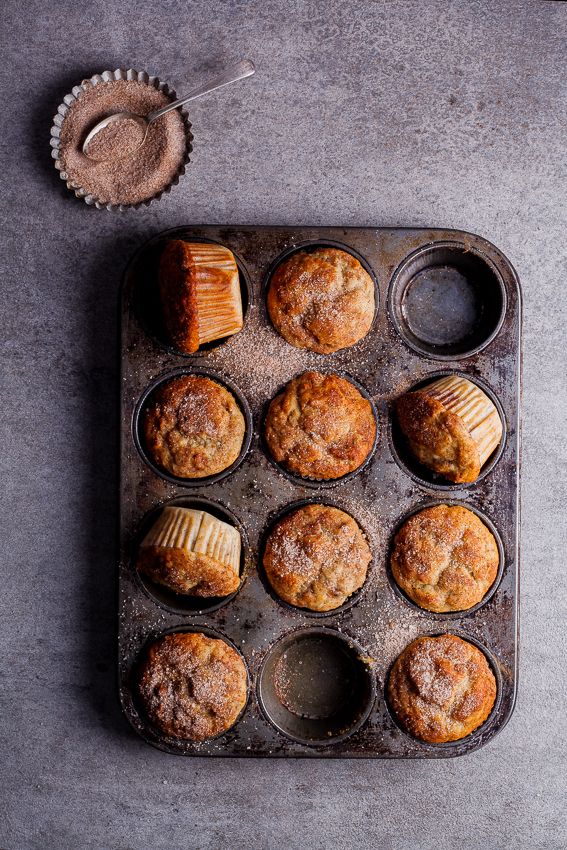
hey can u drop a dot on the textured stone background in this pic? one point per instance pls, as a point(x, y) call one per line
point(444, 113)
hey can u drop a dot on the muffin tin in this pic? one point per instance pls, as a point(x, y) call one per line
point(447, 302)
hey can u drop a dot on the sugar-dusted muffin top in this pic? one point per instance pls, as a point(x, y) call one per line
point(193, 427)
point(316, 557)
point(322, 300)
point(441, 688)
point(445, 558)
point(192, 686)
point(320, 426)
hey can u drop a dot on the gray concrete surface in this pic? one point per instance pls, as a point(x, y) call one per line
point(446, 113)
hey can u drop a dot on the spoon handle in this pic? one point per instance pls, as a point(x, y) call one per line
point(231, 75)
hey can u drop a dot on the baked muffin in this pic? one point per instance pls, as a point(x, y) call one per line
point(451, 426)
point(193, 427)
point(191, 552)
point(441, 688)
point(445, 558)
point(322, 300)
point(316, 557)
point(192, 686)
point(200, 293)
point(320, 426)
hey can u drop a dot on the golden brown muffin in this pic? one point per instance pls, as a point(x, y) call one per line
point(316, 557)
point(200, 293)
point(193, 427)
point(320, 426)
point(191, 552)
point(445, 558)
point(451, 426)
point(441, 688)
point(192, 686)
point(322, 300)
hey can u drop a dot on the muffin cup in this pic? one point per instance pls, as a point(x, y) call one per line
point(143, 724)
point(452, 747)
point(322, 483)
point(477, 411)
point(297, 609)
point(423, 475)
point(140, 443)
point(316, 687)
point(446, 615)
point(185, 604)
point(69, 100)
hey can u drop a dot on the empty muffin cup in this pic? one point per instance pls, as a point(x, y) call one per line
point(315, 686)
point(164, 596)
point(143, 270)
point(238, 401)
point(447, 301)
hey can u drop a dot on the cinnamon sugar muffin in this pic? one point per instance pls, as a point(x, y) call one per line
point(322, 300)
point(192, 686)
point(191, 552)
point(320, 426)
point(445, 558)
point(441, 688)
point(316, 557)
point(200, 293)
point(451, 426)
point(193, 427)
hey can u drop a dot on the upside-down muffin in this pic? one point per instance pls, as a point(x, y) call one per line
point(321, 299)
point(193, 427)
point(191, 552)
point(192, 686)
point(316, 557)
point(320, 426)
point(441, 688)
point(451, 426)
point(445, 558)
point(200, 293)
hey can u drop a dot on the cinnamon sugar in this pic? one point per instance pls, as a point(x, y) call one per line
point(129, 177)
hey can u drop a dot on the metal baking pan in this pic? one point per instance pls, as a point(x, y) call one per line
point(447, 301)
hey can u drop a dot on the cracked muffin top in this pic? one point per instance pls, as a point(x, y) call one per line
point(441, 688)
point(322, 300)
point(316, 557)
point(320, 426)
point(193, 427)
point(445, 558)
point(192, 686)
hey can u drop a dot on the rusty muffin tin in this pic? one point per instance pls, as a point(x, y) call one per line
point(447, 301)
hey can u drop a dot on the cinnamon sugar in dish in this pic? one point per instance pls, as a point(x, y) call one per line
point(132, 174)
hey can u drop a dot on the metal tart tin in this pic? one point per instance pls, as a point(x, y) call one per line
point(67, 102)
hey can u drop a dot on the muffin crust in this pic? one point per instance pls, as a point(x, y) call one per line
point(192, 686)
point(441, 688)
point(316, 557)
point(438, 438)
point(193, 427)
point(445, 558)
point(320, 426)
point(322, 300)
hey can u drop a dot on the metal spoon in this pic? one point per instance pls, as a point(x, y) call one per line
point(231, 75)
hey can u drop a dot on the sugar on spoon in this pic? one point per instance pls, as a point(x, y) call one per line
point(123, 133)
